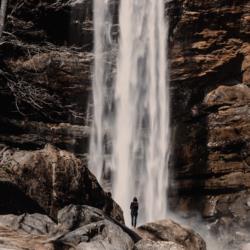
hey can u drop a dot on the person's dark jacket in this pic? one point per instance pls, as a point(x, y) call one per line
point(134, 207)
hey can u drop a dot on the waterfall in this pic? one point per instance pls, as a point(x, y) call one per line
point(103, 45)
point(137, 125)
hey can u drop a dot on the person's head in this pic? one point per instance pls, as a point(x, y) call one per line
point(135, 199)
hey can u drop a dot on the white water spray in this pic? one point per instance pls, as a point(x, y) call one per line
point(139, 122)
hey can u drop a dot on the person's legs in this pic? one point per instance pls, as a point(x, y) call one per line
point(135, 220)
point(132, 220)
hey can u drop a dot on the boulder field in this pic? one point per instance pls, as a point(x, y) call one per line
point(50, 200)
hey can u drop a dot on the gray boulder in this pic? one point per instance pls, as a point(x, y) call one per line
point(34, 224)
point(89, 228)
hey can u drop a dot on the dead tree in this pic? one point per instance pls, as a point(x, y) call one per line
point(2, 15)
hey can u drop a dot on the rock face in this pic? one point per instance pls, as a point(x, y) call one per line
point(45, 74)
point(209, 51)
point(47, 180)
point(171, 232)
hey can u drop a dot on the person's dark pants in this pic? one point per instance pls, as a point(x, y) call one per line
point(134, 219)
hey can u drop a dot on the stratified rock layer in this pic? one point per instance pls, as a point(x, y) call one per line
point(45, 76)
point(210, 50)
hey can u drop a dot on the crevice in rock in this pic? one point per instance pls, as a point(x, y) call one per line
point(13, 200)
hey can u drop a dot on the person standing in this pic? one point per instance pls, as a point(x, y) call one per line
point(134, 206)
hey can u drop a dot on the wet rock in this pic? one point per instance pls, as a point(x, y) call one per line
point(48, 179)
point(167, 230)
point(230, 219)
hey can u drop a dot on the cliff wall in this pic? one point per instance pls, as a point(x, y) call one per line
point(210, 72)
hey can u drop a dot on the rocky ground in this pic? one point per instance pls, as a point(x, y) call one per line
point(45, 85)
point(86, 228)
point(50, 200)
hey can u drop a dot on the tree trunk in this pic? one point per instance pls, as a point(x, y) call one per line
point(2, 15)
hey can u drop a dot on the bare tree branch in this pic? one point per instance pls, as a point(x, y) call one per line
point(38, 98)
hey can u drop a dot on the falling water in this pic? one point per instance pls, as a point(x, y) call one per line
point(139, 121)
point(103, 45)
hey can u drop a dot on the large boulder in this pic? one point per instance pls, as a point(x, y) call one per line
point(170, 231)
point(46, 180)
point(89, 228)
